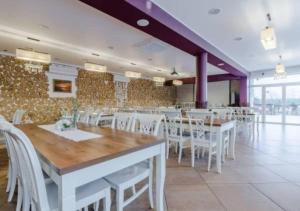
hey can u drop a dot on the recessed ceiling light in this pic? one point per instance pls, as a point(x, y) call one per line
point(214, 11)
point(159, 70)
point(143, 22)
point(33, 39)
point(111, 47)
point(150, 59)
point(133, 63)
point(95, 54)
point(221, 64)
point(238, 38)
point(42, 26)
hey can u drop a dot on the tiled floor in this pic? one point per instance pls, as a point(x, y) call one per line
point(265, 176)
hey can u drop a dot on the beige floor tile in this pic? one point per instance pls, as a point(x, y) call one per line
point(259, 174)
point(242, 197)
point(289, 172)
point(228, 175)
point(183, 176)
point(286, 195)
point(191, 198)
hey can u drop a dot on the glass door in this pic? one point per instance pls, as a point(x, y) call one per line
point(257, 101)
point(274, 105)
point(292, 111)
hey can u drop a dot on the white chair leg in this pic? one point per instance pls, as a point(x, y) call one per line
point(168, 149)
point(150, 191)
point(20, 197)
point(203, 152)
point(209, 160)
point(198, 153)
point(8, 178)
point(193, 155)
point(12, 185)
point(26, 202)
point(107, 202)
point(120, 199)
point(96, 206)
point(223, 151)
point(176, 147)
point(180, 152)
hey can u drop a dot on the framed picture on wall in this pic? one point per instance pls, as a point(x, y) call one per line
point(64, 86)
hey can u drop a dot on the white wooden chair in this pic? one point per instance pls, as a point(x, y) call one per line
point(18, 116)
point(129, 177)
point(83, 117)
point(43, 197)
point(201, 138)
point(95, 118)
point(174, 132)
point(122, 121)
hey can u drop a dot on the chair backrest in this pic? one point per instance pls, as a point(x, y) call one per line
point(17, 117)
point(29, 165)
point(197, 121)
point(122, 121)
point(174, 123)
point(221, 113)
point(83, 117)
point(203, 110)
point(95, 118)
point(147, 123)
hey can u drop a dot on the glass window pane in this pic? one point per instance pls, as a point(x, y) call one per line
point(257, 101)
point(293, 104)
point(274, 108)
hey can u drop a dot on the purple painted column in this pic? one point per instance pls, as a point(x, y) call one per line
point(243, 91)
point(201, 80)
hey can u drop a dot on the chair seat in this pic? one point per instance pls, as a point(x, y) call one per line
point(205, 143)
point(129, 175)
point(90, 190)
point(178, 139)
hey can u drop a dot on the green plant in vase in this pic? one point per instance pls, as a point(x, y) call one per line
point(74, 112)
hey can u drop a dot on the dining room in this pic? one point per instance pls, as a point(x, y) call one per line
point(149, 105)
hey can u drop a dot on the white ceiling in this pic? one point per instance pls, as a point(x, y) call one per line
point(246, 19)
point(71, 31)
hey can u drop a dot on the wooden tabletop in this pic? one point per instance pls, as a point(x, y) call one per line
point(66, 155)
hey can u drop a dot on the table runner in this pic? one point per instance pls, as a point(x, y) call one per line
point(73, 134)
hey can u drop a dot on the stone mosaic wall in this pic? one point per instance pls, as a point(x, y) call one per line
point(143, 92)
point(20, 89)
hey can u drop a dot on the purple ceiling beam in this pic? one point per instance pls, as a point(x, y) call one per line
point(166, 28)
point(210, 78)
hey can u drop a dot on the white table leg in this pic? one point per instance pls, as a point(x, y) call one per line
point(232, 142)
point(66, 194)
point(160, 178)
point(219, 150)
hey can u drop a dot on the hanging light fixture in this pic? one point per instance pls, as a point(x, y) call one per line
point(268, 37)
point(33, 56)
point(280, 70)
point(159, 81)
point(130, 74)
point(177, 82)
point(95, 67)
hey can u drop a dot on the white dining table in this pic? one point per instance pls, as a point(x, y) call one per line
point(73, 164)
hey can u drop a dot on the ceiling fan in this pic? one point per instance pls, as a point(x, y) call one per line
point(174, 72)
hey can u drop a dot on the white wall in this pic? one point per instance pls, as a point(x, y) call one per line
point(185, 93)
point(217, 93)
